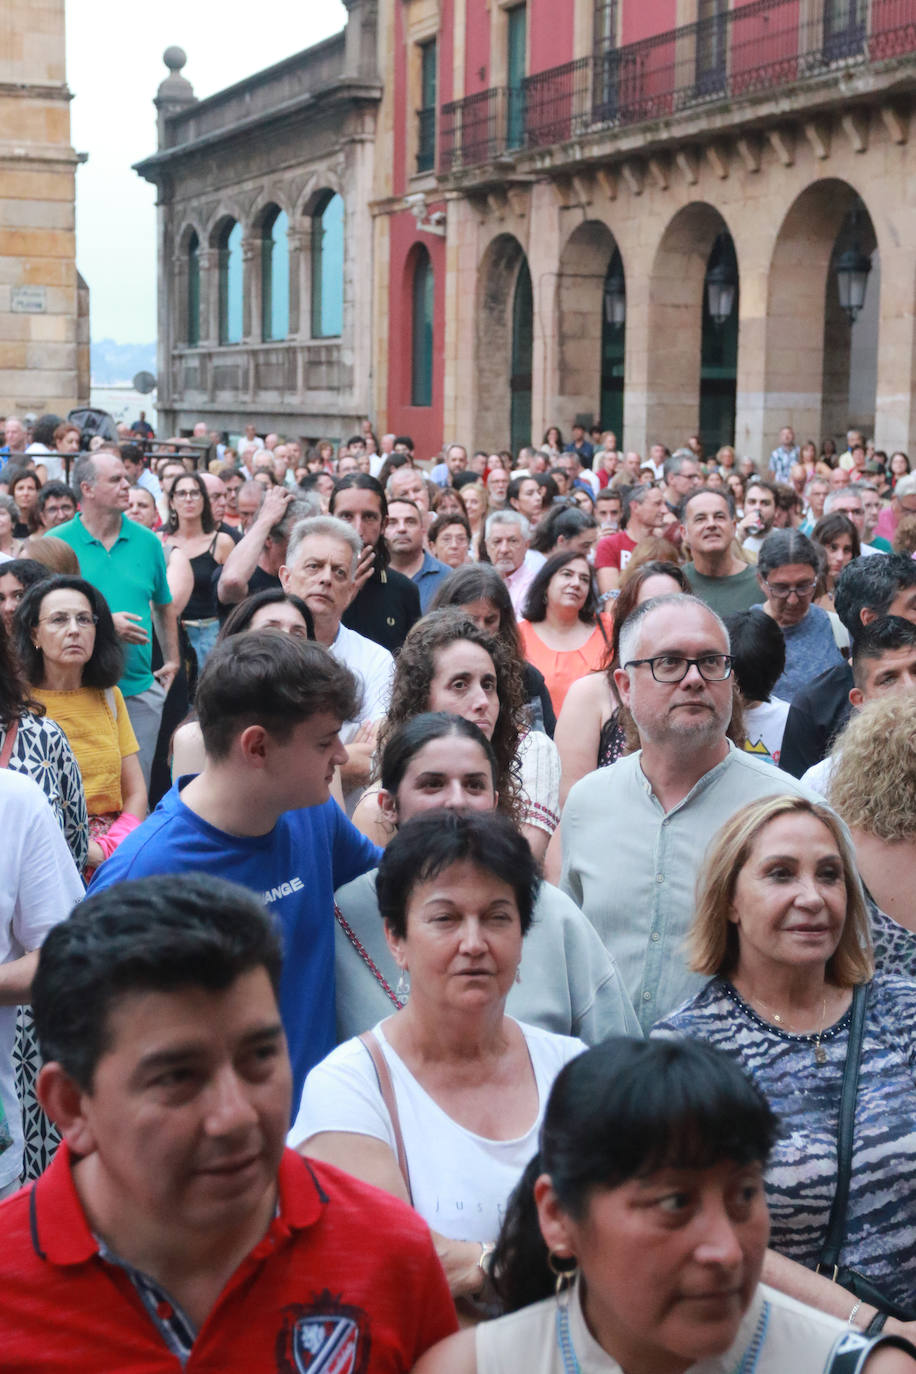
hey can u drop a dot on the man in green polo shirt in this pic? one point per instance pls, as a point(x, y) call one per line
point(127, 564)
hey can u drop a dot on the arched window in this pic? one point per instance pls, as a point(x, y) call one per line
point(193, 297)
point(230, 283)
point(327, 267)
point(421, 358)
point(275, 276)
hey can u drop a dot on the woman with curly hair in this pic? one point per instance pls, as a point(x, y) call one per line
point(873, 788)
point(482, 594)
point(447, 664)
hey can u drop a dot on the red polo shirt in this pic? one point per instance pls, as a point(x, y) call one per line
point(345, 1281)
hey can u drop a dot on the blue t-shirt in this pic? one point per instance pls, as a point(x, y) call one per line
point(294, 869)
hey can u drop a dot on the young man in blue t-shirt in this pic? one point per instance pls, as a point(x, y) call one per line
point(260, 814)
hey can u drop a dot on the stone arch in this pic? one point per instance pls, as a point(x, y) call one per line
point(270, 198)
point(319, 185)
point(583, 265)
point(227, 212)
point(183, 237)
point(811, 347)
point(497, 277)
point(675, 321)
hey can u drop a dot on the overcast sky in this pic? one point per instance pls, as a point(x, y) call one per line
point(114, 66)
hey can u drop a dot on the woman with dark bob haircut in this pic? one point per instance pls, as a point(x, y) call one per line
point(635, 1239)
point(73, 659)
point(456, 891)
point(482, 594)
point(562, 632)
point(568, 981)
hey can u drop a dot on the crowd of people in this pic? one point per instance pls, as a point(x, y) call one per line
point(499, 909)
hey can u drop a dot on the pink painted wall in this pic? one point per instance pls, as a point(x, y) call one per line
point(423, 423)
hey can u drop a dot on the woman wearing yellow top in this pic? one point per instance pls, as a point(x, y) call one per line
point(73, 659)
point(563, 634)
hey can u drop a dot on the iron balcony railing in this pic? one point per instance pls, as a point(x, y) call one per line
point(762, 46)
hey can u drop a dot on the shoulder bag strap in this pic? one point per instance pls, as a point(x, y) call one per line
point(836, 1228)
point(386, 1088)
point(6, 753)
point(853, 1349)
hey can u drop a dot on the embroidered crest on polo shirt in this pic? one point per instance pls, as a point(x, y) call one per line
point(328, 1337)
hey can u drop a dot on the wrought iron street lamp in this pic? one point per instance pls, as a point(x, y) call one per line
point(615, 294)
point(721, 285)
point(852, 269)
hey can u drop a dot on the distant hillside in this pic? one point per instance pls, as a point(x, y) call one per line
point(113, 362)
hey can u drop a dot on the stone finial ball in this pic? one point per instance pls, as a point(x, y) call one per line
point(174, 58)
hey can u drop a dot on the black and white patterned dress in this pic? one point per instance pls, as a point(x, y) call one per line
point(42, 752)
point(881, 1223)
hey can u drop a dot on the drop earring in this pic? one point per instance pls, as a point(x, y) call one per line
point(403, 987)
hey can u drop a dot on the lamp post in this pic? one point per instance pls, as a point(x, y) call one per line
point(615, 294)
point(852, 269)
point(721, 285)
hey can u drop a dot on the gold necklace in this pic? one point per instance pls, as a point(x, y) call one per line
point(820, 1054)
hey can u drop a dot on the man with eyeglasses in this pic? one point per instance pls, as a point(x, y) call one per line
point(634, 834)
point(787, 570)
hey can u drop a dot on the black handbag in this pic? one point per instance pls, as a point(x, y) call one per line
point(829, 1259)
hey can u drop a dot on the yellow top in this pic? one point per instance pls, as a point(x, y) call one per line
point(99, 737)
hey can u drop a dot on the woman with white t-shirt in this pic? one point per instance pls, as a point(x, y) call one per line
point(441, 1104)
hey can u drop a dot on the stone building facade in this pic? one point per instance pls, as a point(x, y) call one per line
point(44, 305)
point(592, 159)
point(264, 241)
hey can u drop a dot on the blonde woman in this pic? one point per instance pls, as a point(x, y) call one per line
point(782, 932)
point(873, 787)
point(476, 506)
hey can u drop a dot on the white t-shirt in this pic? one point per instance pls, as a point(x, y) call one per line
point(764, 727)
point(39, 885)
point(459, 1181)
point(818, 775)
point(373, 666)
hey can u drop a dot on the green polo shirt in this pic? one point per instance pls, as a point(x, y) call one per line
point(130, 575)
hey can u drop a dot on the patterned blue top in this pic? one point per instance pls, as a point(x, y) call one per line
point(801, 1179)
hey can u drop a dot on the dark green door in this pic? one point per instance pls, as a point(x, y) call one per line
point(719, 367)
point(613, 350)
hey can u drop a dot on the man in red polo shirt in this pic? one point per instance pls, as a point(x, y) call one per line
point(644, 513)
point(173, 1230)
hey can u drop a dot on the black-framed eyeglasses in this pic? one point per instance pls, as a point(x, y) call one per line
point(674, 667)
point(779, 591)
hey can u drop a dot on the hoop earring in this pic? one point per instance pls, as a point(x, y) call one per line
point(565, 1274)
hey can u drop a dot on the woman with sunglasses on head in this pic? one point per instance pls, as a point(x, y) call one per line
point(568, 982)
point(194, 532)
point(635, 1241)
point(73, 659)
